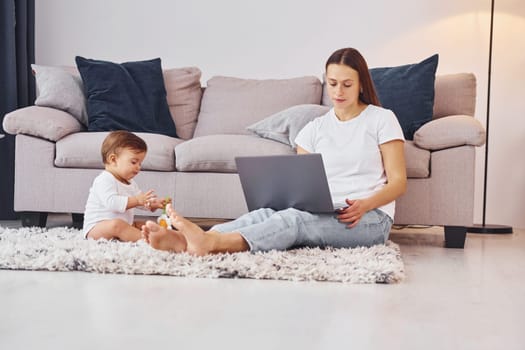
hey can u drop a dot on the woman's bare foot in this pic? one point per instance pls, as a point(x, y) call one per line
point(161, 238)
point(198, 242)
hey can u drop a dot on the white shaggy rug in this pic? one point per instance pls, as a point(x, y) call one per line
point(64, 249)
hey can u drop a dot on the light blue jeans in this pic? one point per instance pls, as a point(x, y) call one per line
point(267, 229)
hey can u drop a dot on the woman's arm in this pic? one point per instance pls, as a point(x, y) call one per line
point(393, 155)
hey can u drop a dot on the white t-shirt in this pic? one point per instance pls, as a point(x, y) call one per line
point(351, 153)
point(107, 200)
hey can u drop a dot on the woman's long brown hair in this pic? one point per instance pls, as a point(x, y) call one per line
point(352, 58)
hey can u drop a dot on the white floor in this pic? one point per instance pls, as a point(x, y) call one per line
point(452, 299)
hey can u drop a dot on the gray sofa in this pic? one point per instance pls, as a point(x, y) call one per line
point(57, 159)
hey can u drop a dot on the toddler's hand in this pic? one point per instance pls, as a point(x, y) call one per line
point(157, 203)
point(145, 199)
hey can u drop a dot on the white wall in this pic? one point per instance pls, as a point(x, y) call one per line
point(287, 38)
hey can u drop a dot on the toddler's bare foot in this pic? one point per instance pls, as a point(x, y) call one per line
point(144, 231)
point(163, 239)
point(197, 241)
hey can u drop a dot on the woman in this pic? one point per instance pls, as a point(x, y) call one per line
point(362, 149)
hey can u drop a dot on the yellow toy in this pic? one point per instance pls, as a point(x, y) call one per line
point(164, 220)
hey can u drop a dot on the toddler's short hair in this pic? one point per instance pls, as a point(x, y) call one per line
point(117, 140)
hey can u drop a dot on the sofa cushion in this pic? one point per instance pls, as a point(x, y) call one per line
point(229, 105)
point(82, 150)
point(61, 89)
point(48, 123)
point(216, 153)
point(284, 126)
point(455, 94)
point(417, 161)
point(128, 96)
point(451, 131)
point(184, 93)
point(407, 90)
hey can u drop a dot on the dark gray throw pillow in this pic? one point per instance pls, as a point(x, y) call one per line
point(128, 96)
point(408, 91)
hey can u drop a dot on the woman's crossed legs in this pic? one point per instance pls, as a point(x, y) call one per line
point(266, 229)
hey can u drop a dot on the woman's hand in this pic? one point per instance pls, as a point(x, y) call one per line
point(353, 212)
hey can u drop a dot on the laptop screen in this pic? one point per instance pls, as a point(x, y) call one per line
point(285, 181)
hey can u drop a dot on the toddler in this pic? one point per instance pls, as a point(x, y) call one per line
point(109, 209)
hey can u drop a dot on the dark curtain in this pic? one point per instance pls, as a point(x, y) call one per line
point(17, 86)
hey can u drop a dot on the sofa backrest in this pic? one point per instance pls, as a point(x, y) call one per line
point(230, 104)
point(455, 94)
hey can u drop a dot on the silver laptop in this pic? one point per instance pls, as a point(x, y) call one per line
point(285, 181)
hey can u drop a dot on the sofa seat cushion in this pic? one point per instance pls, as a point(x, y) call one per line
point(82, 150)
point(417, 161)
point(229, 104)
point(216, 153)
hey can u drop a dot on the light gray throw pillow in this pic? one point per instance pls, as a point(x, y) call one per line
point(60, 89)
point(284, 126)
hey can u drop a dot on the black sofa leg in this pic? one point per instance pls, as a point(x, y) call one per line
point(31, 218)
point(78, 220)
point(455, 236)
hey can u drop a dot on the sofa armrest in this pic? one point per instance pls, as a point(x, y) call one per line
point(450, 131)
point(44, 122)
